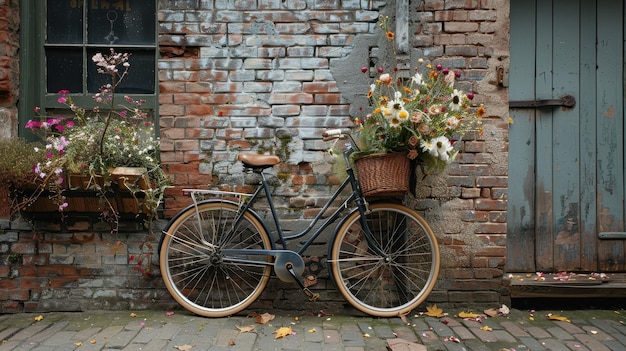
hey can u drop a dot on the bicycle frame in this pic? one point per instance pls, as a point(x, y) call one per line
point(355, 197)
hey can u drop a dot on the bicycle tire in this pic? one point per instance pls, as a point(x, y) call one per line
point(193, 268)
point(378, 285)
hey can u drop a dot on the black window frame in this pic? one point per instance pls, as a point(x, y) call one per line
point(33, 77)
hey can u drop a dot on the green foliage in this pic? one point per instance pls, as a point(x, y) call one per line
point(17, 161)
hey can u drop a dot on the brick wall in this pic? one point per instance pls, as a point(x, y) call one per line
point(270, 76)
point(9, 66)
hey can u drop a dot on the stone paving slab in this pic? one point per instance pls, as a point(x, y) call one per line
point(598, 330)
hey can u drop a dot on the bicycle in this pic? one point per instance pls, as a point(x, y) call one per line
point(217, 255)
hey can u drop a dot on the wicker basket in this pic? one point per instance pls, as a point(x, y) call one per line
point(384, 174)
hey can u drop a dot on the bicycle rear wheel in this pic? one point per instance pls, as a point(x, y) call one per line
point(394, 283)
point(196, 273)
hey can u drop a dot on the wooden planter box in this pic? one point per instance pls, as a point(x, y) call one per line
point(82, 193)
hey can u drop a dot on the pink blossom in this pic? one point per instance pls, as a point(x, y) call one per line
point(62, 100)
point(33, 124)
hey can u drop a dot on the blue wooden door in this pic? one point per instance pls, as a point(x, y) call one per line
point(566, 164)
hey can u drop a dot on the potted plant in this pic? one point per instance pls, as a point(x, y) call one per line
point(107, 149)
point(416, 121)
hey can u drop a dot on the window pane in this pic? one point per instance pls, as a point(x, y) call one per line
point(140, 78)
point(65, 22)
point(121, 22)
point(65, 70)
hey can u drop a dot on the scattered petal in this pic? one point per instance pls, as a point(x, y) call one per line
point(133, 314)
point(92, 341)
point(169, 313)
point(366, 335)
point(231, 342)
point(312, 330)
point(486, 328)
point(38, 318)
point(78, 343)
point(185, 347)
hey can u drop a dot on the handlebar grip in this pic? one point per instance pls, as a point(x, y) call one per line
point(333, 134)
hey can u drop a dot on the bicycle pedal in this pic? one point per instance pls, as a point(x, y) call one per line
point(314, 297)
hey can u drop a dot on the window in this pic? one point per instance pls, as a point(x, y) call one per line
point(59, 38)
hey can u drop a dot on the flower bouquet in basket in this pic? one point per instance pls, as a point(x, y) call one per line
point(420, 117)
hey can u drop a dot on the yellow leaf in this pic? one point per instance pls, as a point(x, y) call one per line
point(511, 121)
point(312, 330)
point(92, 341)
point(246, 329)
point(434, 311)
point(366, 335)
point(556, 317)
point(38, 318)
point(468, 315)
point(282, 332)
point(486, 328)
point(78, 343)
point(133, 315)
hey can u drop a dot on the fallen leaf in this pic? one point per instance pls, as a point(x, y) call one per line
point(38, 318)
point(92, 341)
point(404, 319)
point(486, 328)
point(556, 317)
point(492, 312)
point(78, 343)
point(468, 315)
point(245, 329)
point(282, 332)
point(312, 330)
point(231, 342)
point(434, 311)
point(263, 318)
point(594, 332)
point(185, 347)
point(133, 314)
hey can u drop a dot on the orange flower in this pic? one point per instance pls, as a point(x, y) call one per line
point(390, 35)
point(481, 111)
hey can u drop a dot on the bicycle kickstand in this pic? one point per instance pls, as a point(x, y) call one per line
point(312, 296)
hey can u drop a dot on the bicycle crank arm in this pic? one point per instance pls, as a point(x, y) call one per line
point(282, 259)
point(288, 265)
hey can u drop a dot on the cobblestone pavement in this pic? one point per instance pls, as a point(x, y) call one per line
point(596, 330)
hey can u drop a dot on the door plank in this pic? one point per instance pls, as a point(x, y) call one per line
point(586, 102)
point(520, 253)
point(543, 90)
point(610, 132)
point(565, 136)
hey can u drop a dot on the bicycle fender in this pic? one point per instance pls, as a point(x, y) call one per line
point(177, 215)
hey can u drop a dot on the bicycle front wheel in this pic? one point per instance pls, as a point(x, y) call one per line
point(391, 272)
point(198, 275)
